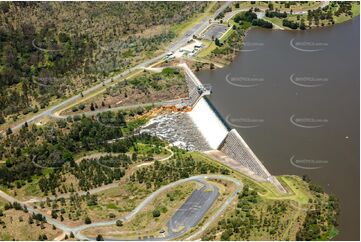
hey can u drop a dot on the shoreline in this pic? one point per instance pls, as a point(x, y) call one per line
point(246, 32)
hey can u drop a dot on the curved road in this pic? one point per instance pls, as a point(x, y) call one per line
point(195, 30)
point(145, 202)
point(94, 190)
point(77, 230)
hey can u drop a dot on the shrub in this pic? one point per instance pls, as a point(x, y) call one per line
point(119, 223)
point(156, 213)
point(87, 220)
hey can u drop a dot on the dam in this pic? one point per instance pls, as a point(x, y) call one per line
point(209, 125)
point(203, 129)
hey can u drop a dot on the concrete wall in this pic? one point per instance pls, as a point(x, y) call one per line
point(235, 147)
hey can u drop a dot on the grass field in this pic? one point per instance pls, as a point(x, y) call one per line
point(144, 223)
point(280, 6)
point(296, 18)
point(18, 228)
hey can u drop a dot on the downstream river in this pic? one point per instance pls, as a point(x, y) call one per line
point(294, 97)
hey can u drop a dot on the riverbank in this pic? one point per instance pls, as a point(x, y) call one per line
point(221, 52)
point(258, 100)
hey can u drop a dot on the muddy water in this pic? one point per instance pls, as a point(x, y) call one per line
point(294, 97)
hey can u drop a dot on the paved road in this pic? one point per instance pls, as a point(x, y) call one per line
point(77, 230)
point(91, 113)
point(180, 102)
point(192, 211)
point(195, 30)
point(94, 190)
point(221, 210)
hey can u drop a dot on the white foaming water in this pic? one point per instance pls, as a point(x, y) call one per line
point(211, 127)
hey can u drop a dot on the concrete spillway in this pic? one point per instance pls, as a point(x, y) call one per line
point(203, 129)
point(208, 123)
point(218, 137)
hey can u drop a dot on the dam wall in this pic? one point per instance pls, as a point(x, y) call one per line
point(235, 147)
point(208, 123)
point(213, 135)
point(216, 133)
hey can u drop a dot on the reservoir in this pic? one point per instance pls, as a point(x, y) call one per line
point(294, 98)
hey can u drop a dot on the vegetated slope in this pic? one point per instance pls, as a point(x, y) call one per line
point(50, 49)
point(147, 87)
point(260, 218)
point(41, 161)
point(30, 152)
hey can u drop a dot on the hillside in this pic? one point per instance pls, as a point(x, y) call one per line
point(54, 49)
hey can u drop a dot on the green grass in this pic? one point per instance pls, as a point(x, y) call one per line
point(6, 237)
point(111, 206)
point(342, 18)
point(226, 35)
point(299, 190)
point(297, 7)
point(133, 125)
point(276, 21)
point(208, 50)
point(32, 189)
point(355, 9)
point(298, 187)
point(332, 234)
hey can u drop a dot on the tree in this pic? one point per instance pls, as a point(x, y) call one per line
point(156, 213)
point(87, 220)
point(134, 156)
point(92, 107)
point(17, 206)
point(43, 237)
point(2, 119)
point(54, 214)
point(302, 25)
point(30, 221)
point(9, 131)
point(99, 237)
point(217, 42)
point(71, 235)
point(119, 223)
point(225, 235)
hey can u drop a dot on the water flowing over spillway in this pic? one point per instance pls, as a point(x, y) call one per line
point(208, 123)
point(202, 129)
point(179, 130)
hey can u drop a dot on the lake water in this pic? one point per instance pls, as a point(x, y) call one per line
point(294, 97)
